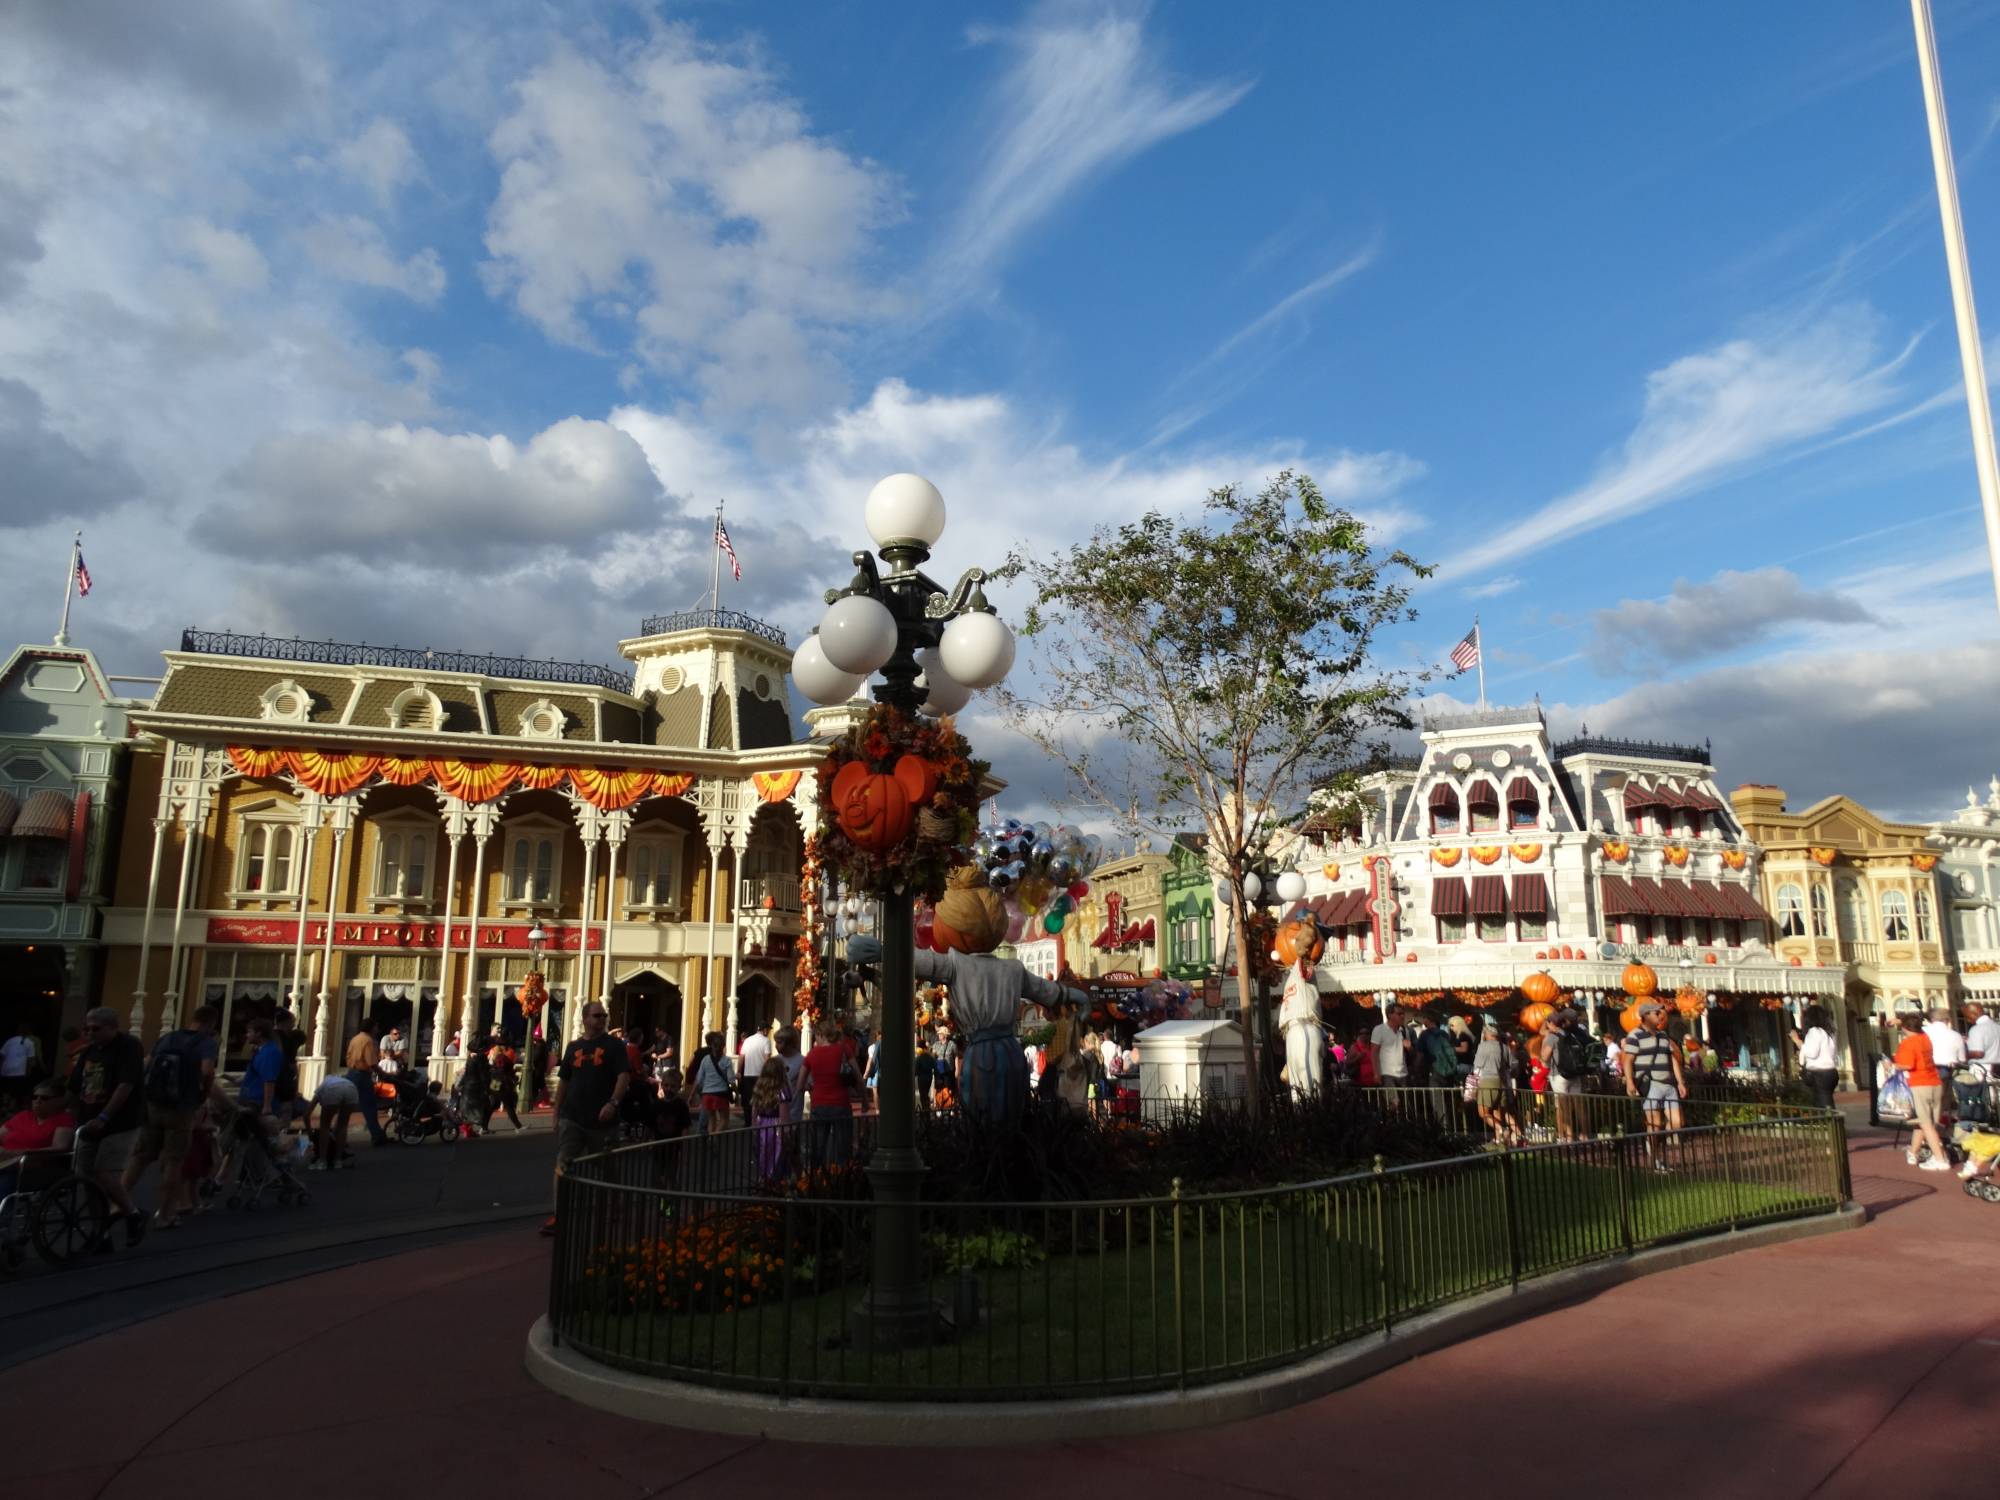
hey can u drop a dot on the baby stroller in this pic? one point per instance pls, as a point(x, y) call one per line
point(424, 1110)
point(262, 1166)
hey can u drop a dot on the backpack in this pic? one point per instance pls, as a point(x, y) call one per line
point(1420, 1059)
point(1572, 1055)
point(173, 1076)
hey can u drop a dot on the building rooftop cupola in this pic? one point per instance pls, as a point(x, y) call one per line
point(714, 679)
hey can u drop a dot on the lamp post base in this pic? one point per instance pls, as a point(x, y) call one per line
point(898, 1311)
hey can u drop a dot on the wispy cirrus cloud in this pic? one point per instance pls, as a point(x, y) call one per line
point(1709, 416)
point(1084, 93)
point(1493, 588)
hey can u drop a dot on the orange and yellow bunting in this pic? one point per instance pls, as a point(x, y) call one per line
point(260, 763)
point(1446, 857)
point(541, 778)
point(332, 775)
point(1527, 854)
point(671, 783)
point(608, 791)
point(775, 786)
point(1486, 853)
point(1675, 855)
point(473, 780)
point(1617, 851)
point(403, 770)
point(1923, 862)
point(1736, 859)
point(1823, 856)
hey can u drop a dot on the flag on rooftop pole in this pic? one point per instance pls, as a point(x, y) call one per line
point(1466, 655)
point(722, 541)
point(82, 573)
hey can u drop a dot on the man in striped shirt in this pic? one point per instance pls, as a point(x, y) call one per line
point(1653, 1075)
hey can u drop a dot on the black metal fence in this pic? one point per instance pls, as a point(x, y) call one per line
point(711, 619)
point(401, 658)
point(740, 1260)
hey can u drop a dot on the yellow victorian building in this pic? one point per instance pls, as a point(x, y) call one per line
point(1848, 887)
point(1120, 927)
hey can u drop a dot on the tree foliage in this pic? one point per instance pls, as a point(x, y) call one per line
point(1217, 669)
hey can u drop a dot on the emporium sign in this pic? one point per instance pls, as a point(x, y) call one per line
point(283, 932)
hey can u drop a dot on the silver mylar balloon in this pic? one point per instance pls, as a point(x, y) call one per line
point(1062, 869)
point(1040, 853)
point(1002, 878)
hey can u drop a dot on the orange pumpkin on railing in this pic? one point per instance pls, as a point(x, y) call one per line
point(1628, 1018)
point(1540, 988)
point(1639, 981)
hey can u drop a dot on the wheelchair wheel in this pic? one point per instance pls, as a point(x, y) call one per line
point(69, 1220)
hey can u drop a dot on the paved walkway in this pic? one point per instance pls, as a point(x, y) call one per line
point(1859, 1364)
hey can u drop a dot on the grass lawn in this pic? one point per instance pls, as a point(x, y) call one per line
point(1262, 1280)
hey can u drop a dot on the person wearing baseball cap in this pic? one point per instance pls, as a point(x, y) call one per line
point(1654, 1076)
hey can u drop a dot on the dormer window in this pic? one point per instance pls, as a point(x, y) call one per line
point(285, 702)
point(1482, 805)
point(1524, 804)
point(416, 708)
point(542, 720)
point(1444, 809)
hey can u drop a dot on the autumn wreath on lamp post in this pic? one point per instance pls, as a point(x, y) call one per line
point(899, 802)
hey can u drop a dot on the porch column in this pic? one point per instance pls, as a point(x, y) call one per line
point(196, 847)
point(136, 1021)
point(615, 825)
point(589, 827)
point(341, 810)
point(440, 1066)
point(738, 842)
point(485, 818)
point(309, 819)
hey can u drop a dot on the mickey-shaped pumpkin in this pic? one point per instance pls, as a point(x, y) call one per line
point(1298, 938)
point(874, 808)
point(971, 918)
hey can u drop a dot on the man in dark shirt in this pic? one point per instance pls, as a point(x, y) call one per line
point(592, 1079)
point(108, 1083)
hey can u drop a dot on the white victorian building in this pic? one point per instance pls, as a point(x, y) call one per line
point(1968, 875)
point(1496, 853)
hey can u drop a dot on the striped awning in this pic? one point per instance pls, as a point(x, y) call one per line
point(46, 815)
point(1448, 896)
point(1482, 793)
point(10, 808)
point(1619, 898)
point(1531, 896)
point(1740, 904)
point(1521, 789)
point(1444, 795)
point(1489, 895)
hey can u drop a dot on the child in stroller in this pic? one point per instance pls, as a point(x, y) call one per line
point(262, 1166)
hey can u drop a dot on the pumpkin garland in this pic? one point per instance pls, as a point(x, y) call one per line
point(809, 970)
point(899, 800)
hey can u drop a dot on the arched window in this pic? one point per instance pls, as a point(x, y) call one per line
point(1482, 806)
point(1895, 917)
point(401, 872)
point(1444, 809)
point(1524, 804)
point(1821, 920)
point(1926, 924)
point(1791, 911)
point(531, 867)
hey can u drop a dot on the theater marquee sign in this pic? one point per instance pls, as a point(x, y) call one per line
point(283, 932)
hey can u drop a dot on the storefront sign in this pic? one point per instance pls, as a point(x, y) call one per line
point(283, 932)
point(1382, 906)
point(1663, 953)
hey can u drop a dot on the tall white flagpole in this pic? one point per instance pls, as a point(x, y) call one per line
point(715, 563)
point(1974, 362)
point(1479, 655)
point(69, 589)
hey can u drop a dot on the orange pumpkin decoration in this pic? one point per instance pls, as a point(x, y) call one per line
point(1541, 989)
point(1534, 1017)
point(872, 809)
point(1297, 939)
point(1628, 1018)
point(919, 779)
point(1639, 981)
point(971, 918)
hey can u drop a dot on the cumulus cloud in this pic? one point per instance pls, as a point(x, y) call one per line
point(1706, 417)
point(232, 259)
point(44, 476)
point(675, 197)
point(354, 249)
point(380, 158)
point(1696, 620)
point(379, 492)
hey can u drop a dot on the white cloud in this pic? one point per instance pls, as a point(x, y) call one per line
point(373, 492)
point(380, 158)
point(1506, 583)
point(1083, 93)
point(1708, 416)
point(1724, 613)
point(353, 249)
point(231, 258)
point(44, 474)
point(675, 196)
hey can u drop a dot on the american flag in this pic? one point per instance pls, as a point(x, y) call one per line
point(722, 541)
point(82, 574)
point(1465, 655)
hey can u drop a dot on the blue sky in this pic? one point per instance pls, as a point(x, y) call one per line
point(445, 325)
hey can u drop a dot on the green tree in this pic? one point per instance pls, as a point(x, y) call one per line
point(1216, 669)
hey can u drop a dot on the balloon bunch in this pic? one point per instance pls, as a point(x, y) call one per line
point(1041, 870)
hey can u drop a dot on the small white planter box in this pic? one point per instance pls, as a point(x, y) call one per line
point(1192, 1062)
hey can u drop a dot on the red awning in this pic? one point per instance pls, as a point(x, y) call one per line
point(1352, 910)
point(1679, 899)
point(1104, 939)
point(1704, 800)
point(1143, 933)
point(1489, 895)
point(1640, 796)
point(1653, 901)
point(1619, 898)
point(46, 816)
point(1443, 795)
point(1741, 905)
point(1520, 789)
point(1448, 897)
point(1531, 896)
point(1482, 794)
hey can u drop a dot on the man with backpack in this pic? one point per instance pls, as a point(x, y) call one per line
point(179, 1078)
point(1565, 1052)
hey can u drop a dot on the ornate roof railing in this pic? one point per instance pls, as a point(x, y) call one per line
point(1485, 718)
point(402, 658)
point(1599, 744)
point(711, 619)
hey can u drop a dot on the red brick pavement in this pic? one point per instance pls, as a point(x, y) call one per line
point(1859, 1364)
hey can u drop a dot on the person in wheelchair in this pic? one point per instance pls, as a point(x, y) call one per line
point(44, 1126)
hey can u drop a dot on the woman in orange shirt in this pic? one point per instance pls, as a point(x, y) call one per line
point(1913, 1056)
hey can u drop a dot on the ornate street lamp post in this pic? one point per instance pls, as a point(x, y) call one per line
point(933, 649)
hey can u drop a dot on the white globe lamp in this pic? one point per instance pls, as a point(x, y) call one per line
point(857, 633)
point(905, 508)
point(1291, 886)
point(818, 678)
point(977, 649)
point(1252, 886)
point(945, 693)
